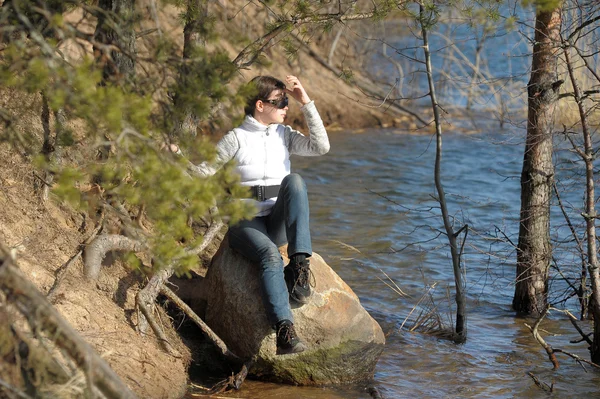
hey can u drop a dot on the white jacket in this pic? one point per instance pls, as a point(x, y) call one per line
point(262, 153)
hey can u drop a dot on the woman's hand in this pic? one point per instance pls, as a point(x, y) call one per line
point(296, 90)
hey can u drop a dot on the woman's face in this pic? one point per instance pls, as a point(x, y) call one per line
point(273, 109)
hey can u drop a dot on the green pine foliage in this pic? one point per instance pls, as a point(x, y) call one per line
point(121, 126)
point(123, 120)
point(543, 5)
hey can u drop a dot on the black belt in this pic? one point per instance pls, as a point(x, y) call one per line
point(261, 193)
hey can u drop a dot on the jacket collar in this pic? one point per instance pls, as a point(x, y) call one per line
point(252, 125)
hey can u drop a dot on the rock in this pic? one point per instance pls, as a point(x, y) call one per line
point(344, 341)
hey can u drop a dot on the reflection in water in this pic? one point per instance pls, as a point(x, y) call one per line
point(372, 211)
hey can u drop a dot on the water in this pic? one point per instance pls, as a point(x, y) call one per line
point(373, 217)
point(372, 213)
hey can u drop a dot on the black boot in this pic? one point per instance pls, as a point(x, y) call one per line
point(287, 340)
point(297, 277)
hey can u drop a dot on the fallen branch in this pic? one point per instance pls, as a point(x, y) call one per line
point(31, 303)
point(585, 337)
point(547, 347)
point(541, 384)
point(214, 338)
point(233, 382)
point(552, 351)
point(578, 359)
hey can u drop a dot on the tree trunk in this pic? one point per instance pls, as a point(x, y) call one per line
point(534, 251)
point(115, 30)
point(35, 13)
point(461, 303)
point(194, 37)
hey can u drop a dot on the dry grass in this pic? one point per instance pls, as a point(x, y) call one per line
point(425, 316)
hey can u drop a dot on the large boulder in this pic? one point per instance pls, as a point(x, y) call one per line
point(344, 341)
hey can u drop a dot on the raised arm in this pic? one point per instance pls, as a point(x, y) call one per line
point(317, 143)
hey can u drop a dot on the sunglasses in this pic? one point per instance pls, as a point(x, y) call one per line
point(280, 102)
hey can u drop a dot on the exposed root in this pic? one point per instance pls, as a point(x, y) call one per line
point(162, 339)
point(61, 272)
point(146, 296)
point(96, 251)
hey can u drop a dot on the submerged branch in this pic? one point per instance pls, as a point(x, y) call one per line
point(547, 347)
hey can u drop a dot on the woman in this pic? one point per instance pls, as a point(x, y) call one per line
point(261, 147)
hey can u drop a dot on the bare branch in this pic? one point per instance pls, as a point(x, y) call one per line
point(251, 52)
point(573, 320)
point(580, 27)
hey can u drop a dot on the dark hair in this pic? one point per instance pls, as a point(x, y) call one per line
point(261, 87)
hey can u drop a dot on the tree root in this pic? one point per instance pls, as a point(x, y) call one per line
point(145, 301)
point(149, 319)
point(61, 272)
point(146, 297)
point(96, 251)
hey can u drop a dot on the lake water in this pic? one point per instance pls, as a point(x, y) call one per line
point(372, 213)
point(373, 217)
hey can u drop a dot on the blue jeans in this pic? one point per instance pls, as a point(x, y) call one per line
point(258, 240)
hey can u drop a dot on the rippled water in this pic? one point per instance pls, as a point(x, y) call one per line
point(372, 213)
